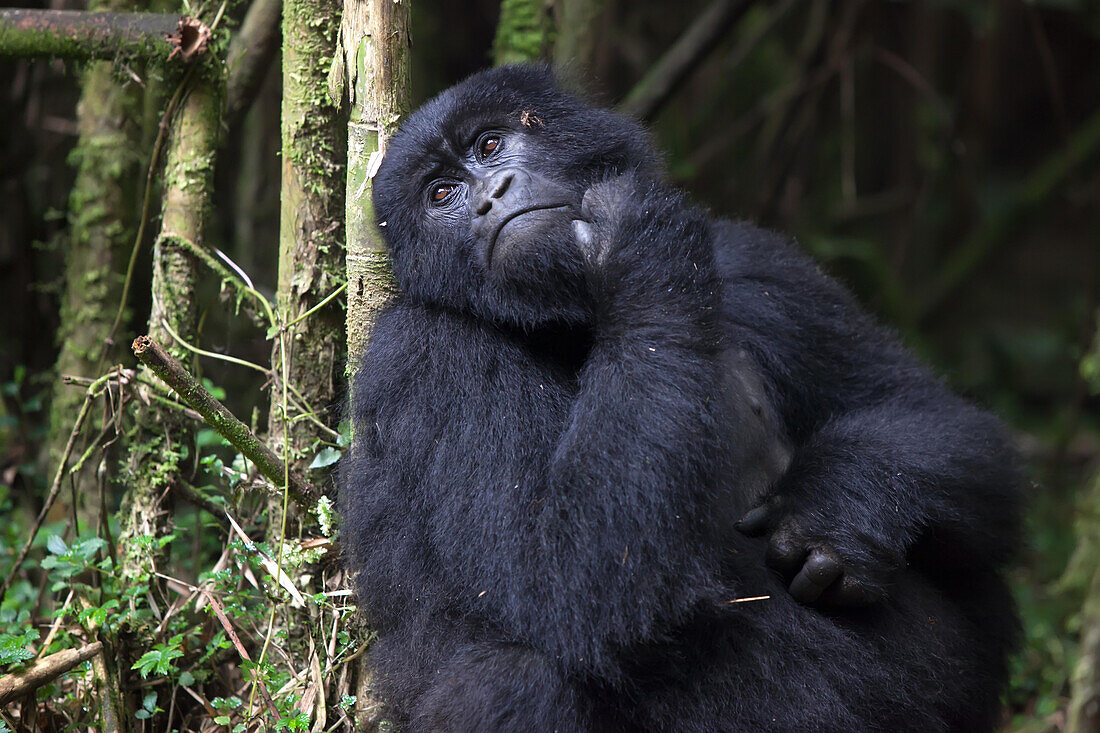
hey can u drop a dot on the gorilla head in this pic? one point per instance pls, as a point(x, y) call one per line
point(480, 193)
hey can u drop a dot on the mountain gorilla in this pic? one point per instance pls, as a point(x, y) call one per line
point(621, 466)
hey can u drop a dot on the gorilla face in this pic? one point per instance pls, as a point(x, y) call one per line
point(479, 191)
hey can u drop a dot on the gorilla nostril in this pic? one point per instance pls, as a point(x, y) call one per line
point(483, 207)
point(502, 186)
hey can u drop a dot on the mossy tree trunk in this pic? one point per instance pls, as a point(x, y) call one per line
point(308, 354)
point(311, 232)
point(525, 32)
point(102, 218)
point(373, 71)
point(157, 444)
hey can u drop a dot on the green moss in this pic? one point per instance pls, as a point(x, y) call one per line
point(525, 32)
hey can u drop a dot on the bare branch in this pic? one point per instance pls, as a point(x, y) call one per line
point(250, 56)
point(45, 670)
point(685, 55)
point(165, 366)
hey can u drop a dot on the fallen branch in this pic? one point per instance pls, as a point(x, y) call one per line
point(167, 368)
point(45, 670)
point(80, 35)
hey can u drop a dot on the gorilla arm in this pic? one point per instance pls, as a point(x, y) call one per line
point(889, 468)
point(623, 547)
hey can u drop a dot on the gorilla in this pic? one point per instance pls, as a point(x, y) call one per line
point(620, 465)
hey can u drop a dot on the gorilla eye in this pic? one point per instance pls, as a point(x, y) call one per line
point(440, 192)
point(488, 144)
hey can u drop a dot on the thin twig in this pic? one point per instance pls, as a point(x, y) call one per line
point(147, 197)
point(192, 495)
point(232, 634)
point(55, 488)
point(299, 402)
point(317, 307)
point(229, 277)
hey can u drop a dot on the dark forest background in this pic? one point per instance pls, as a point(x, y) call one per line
point(940, 158)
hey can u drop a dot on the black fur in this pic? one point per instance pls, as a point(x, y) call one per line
point(557, 432)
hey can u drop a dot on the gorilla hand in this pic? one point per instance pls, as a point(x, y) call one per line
point(601, 214)
point(826, 562)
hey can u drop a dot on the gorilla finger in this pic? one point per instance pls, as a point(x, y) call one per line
point(819, 572)
point(852, 591)
point(785, 553)
point(756, 521)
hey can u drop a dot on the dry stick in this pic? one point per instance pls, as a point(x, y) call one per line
point(55, 487)
point(45, 670)
point(81, 35)
point(685, 55)
point(165, 366)
point(232, 633)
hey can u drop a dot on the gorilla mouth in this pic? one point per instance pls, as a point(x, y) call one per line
point(512, 216)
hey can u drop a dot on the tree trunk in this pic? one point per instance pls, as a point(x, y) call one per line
point(102, 218)
point(375, 59)
point(311, 238)
point(578, 24)
point(525, 32)
point(154, 448)
point(376, 77)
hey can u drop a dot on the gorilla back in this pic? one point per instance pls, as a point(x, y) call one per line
point(620, 466)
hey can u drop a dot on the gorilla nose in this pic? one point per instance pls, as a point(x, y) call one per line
point(493, 188)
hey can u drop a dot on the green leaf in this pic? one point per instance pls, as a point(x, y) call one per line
point(326, 457)
point(56, 545)
point(159, 660)
point(13, 647)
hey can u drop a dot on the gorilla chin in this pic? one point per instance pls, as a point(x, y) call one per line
point(521, 234)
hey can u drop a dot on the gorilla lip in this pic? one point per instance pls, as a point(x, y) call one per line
point(511, 216)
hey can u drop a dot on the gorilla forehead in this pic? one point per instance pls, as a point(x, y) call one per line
point(493, 97)
point(575, 134)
